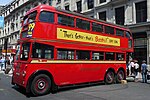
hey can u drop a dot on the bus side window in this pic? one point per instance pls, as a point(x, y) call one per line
point(109, 30)
point(120, 56)
point(46, 16)
point(82, 24)
point(97, 27)
point(65, 20)
point(65, 54)
point(119, 32)
point(97, 56)
point(83, 55)
point(46, 52)
point(110, 56)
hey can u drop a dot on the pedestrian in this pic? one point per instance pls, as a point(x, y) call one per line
point(136, 68)
point(131, 68)
point(3, 63)
point(144, 71)
point(127, 68)
point(0, 63)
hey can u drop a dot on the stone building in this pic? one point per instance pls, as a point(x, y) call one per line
point(13, 14)
point(134, 14)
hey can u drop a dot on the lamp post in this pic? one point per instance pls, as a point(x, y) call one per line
point(5, 48)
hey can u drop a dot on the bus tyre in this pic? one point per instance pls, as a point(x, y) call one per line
point(109, 77)
point(120, 76)
point(41, 85)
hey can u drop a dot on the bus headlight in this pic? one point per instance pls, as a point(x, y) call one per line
point(24, 73)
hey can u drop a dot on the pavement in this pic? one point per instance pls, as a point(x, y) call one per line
point(9, 73)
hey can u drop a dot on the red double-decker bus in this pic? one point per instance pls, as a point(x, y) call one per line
point(59, 48)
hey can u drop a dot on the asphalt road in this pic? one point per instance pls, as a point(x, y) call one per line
point(129, 91)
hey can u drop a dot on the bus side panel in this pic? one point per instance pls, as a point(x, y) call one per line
point(65, 74)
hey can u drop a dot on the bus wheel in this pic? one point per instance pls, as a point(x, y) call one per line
point(41, 85)
point(109, 77)
point(120, 76)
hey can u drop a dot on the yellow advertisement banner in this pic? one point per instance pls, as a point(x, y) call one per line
point(86, 37)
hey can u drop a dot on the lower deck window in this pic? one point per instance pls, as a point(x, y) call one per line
point(65, 54)
point(83, 55)
point(97, 56)
point(120, 56)
point(42, 51)
point(110, 56)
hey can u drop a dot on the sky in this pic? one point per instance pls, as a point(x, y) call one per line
point(4, 2)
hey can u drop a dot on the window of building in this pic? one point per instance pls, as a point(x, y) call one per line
point(79, 6)
point(46, 52)
point(90, 4)
point(97, 27)
point(83, 55)
point(119, 15)
point(97, 56)
point(65, 54)
point(102, 15)
point(102, 1)
point(109, 30)
point(110, 56)
point(120, 56)
point(65, 20)
point(119, 32)
point(67, 7)
point(83, 24)
point(141, 11)
point(46, 16)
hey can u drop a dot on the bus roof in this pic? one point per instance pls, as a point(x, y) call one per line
point(76, 14)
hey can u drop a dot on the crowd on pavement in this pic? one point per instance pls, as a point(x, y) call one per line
point(5, 62)
point(135, 70)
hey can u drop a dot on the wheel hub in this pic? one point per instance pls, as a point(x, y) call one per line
point(41, 85)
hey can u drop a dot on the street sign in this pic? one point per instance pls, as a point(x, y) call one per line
point(1, 22)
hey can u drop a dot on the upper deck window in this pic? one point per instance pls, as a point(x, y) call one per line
point(32, 17)
point(46, 16)
point(109, 30)
point(128, 34)
point(29, 18)
point(119, 32)
point(65, 20)
point(83, 24)
point(97, 27)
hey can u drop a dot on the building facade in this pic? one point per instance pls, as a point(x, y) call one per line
point(134, 14)
point(13, 14)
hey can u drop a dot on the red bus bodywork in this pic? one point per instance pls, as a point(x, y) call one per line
point(67, 72)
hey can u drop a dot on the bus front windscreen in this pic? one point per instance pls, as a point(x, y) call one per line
point(29, 18)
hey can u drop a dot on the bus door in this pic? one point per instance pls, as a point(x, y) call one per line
point(22, 55)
